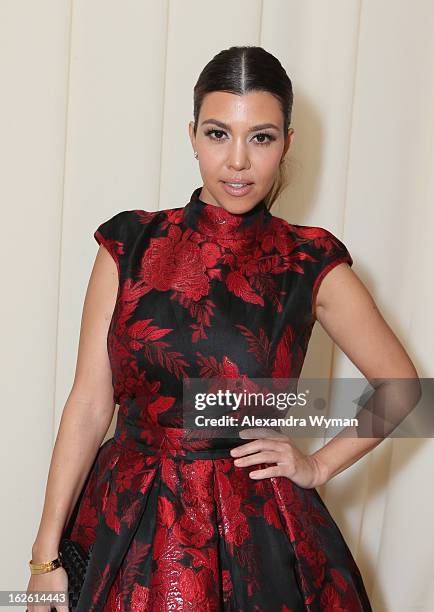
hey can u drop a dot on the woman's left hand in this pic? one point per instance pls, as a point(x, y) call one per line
point(304, 470)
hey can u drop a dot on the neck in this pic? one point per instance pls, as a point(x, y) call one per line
point(215, 222)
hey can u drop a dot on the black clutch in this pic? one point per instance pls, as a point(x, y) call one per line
point(75, 562)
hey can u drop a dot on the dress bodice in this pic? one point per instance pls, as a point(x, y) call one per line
point(205, 292)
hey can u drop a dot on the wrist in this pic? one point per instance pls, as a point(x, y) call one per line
point(321, 471)
point(42, 552)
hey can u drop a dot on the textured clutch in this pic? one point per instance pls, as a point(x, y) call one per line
point(75, 562)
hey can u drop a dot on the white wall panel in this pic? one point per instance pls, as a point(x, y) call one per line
point(34, 58)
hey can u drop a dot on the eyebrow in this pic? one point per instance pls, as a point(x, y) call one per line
point(262, 126)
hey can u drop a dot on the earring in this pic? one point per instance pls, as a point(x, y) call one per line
point(195, 154)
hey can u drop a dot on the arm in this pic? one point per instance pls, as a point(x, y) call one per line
point(348, 313)
point(87, 413)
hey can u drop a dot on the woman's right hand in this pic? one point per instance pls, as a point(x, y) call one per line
point(56, 580)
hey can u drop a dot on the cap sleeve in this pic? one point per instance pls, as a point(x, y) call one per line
point(327, 251)
point(112, 234)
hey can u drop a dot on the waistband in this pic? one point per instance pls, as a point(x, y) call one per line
point(169, 442)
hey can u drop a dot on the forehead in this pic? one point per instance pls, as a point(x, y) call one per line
point(252, 108)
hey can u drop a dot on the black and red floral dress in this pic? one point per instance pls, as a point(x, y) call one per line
point(171, 522)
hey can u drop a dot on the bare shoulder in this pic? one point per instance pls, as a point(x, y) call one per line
point(349, 314)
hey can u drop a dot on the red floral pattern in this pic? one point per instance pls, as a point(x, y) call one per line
point(173, 523)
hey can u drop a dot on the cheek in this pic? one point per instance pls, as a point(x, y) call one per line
point(266, 163)
point(211, 161)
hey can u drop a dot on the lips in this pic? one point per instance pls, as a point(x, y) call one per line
point(238, 182)
point(237, 191)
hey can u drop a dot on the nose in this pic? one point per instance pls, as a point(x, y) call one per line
point(238, 156)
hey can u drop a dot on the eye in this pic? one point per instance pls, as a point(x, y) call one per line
point(269, 136)
point(213, 131)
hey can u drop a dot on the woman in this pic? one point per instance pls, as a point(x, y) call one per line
point(219, 287)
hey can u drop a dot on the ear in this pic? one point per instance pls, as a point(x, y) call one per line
point(288, 140)
point(191, 134)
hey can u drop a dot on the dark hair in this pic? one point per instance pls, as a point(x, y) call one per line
point(239, 70)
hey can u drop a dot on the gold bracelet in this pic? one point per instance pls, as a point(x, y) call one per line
point(42, 568)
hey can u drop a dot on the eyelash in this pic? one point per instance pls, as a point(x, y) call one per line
point(269, 136)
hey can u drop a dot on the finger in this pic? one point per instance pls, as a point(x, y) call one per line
point(258, 445)
point(262, 457)
point(268, 472)
point(243, 449)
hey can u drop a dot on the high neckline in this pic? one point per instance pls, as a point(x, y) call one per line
point(216, 222)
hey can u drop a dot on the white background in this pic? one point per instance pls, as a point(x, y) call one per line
point(96, 96)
